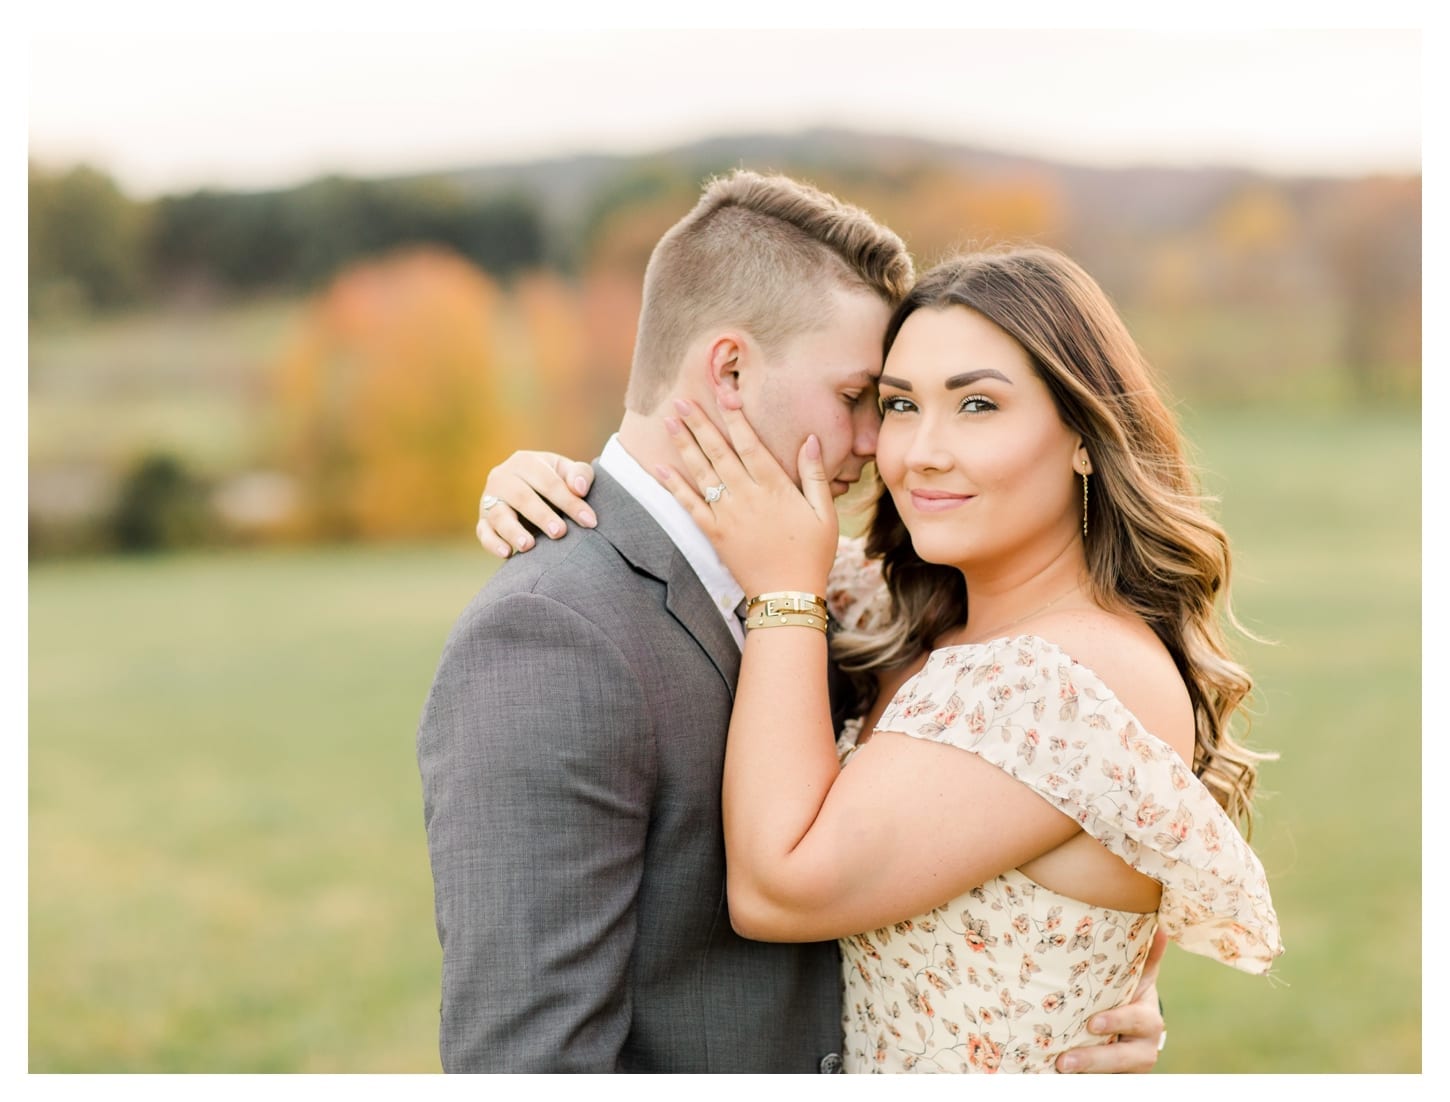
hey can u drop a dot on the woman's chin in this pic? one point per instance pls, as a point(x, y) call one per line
point(937, 552)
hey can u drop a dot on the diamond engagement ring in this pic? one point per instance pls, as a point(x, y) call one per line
point(489, 501)
point(714, 493)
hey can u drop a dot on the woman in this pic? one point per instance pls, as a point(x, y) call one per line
point(1032, 683)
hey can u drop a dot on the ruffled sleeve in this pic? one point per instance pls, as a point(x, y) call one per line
point(855, 591)
point(1052, 724)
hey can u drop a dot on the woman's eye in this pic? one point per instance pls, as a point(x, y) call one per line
point(896, 404)
point(977, 404)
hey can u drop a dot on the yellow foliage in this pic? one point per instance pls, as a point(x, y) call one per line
point(391, 396)
point(1172, 273)
point(554, 343)
point(1256, 220)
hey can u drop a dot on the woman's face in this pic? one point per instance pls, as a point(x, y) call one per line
point(972, 450)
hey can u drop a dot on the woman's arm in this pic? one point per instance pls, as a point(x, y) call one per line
point(812, 851)
point(905, 827)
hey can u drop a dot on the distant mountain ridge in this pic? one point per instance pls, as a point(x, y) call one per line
point(1157, 196)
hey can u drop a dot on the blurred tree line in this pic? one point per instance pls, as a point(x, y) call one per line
point(446, 320)
point(92, 247)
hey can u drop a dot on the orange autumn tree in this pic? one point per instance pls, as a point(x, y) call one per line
point(576, 337)
point(553, 343)
point(391, 399)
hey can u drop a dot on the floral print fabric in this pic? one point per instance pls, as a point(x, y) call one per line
point(1005, 977)
point(855, 592)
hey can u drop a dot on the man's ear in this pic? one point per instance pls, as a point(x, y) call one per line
point(724, 359)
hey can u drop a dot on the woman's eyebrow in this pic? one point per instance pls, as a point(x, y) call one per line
point(967, 378)
point(956, 382)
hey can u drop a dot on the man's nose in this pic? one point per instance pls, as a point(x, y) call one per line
point(868, 428)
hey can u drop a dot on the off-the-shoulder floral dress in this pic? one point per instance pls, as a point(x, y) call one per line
point(1006, 976)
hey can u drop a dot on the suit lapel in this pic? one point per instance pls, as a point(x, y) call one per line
point(626, 524)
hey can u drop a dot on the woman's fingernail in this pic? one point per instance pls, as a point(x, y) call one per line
point(556, 530)
point(672, 426)
point(1098, 1024)
point(587, 518)
point(683, 406)
point(580, 486)
point(813, 446)
point(663, 473)
point(1068, 1063)
point(503, 550)
point(525, 543)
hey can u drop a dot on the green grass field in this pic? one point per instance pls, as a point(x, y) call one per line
point(227, 862)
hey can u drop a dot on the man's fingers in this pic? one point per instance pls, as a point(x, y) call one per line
point(1150, 967)
point(1123, 1057)
point(1133, 1021)
point(1137, 1025)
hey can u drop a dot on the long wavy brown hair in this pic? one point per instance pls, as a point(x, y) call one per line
point(1152, 549)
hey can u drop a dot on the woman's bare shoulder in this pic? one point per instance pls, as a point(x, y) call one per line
point(1130, 659)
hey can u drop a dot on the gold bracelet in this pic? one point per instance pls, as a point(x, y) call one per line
point(788, 601)
point(786, 619)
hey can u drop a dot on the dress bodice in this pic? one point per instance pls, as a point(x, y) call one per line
point(1006, 976)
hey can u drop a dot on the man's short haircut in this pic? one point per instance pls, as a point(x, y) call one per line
point(762, 253)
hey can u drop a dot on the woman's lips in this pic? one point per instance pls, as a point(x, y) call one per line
point(937, 501)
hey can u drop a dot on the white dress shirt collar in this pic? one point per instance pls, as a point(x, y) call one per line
point(684, 533)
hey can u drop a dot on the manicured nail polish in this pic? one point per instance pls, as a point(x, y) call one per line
point(1098, 1024)
point(1068, 1063)
point(663, 473)
point(672, 426)
point(580, 486)
point(556, 530)
point(586, 518)
point(525, 543)
point(683, 406)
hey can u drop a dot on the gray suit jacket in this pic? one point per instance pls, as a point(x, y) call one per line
point(571, 752)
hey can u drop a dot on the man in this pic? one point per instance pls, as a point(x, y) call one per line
point(572, 744)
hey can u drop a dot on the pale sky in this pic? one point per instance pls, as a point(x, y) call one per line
point(169, 112)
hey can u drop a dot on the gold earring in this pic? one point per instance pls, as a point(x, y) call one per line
point(1084, 503)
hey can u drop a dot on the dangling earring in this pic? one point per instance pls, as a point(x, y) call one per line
point(1084, 502)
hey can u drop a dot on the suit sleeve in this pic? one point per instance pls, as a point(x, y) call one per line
point(538, 762)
